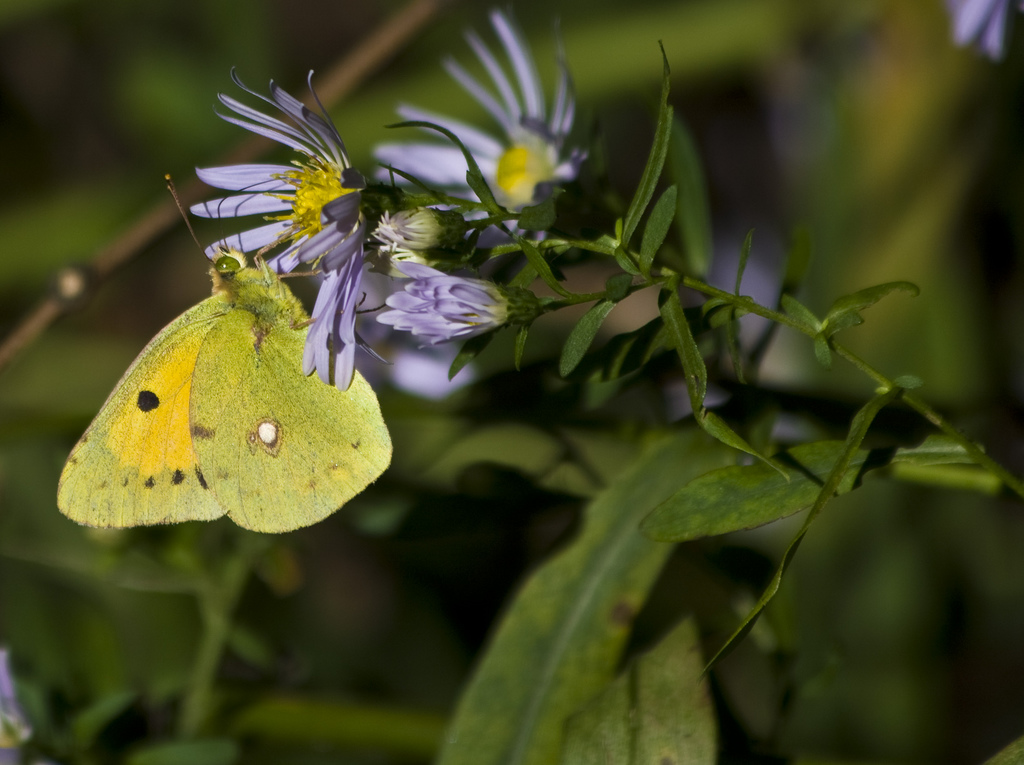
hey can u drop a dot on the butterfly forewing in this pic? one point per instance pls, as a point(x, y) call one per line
point(135, 465)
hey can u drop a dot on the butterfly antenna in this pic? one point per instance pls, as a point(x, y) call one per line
point(182, 210)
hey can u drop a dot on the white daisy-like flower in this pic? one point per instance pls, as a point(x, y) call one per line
point(313, 206)
point(528, 159)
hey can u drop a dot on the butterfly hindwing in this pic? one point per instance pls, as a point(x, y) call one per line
point(135, 465)
point(280, 449)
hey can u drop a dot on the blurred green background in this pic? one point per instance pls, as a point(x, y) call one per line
point(899, 635)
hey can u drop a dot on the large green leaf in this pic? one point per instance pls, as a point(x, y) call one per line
point(657, 711)
point(560, 641)
point(742, 497)
point(1011, 755)
point(745, 496)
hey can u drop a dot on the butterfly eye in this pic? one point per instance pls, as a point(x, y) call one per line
point(230, 261)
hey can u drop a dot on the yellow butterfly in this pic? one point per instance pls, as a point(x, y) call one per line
point(215, 417)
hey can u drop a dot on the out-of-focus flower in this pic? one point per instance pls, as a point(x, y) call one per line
point(520, 167)
point(436, 307)
point(314, 208)
point(14, 727)
point(982, 23)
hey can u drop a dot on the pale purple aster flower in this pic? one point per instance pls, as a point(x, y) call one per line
point(983, 23)
point(313, 209)
point(528, 159)
point(14, 727)
point(436, 307)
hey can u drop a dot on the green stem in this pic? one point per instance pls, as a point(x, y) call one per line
point(218, 596)
point(916, 403)
point(913, 401)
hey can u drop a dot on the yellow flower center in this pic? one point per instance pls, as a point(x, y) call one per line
point(519, 171)
point(316, 183)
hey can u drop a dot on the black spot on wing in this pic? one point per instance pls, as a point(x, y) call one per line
point(199, 475)
point(148, 401)
point(150, 482)
point(178, 477)
point(356, 444)
point(201, 431)
point(125, 481)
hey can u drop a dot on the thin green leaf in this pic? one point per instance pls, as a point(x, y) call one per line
point(521, 334)
point(909, 382)
point(717, 427)
point(858, 430)
point(625, 352)
point(469, 351)
point(658, 711)
point(210, 751)
point(583, 335)
point(655, 160)
point(748, 242)
point(560, 641)
point(525, 276)
point(936, 449)
point(656, 230)
point(617, 286)
point(539, 217)
point(693, 218)
point(91, 721)
point(625, 261)
point(822, 352)
point(866, 298)
point(800, 312)
point(745, 496)
point(694, 371)
point(731, 326)
point(536, 260)
point(474, 178)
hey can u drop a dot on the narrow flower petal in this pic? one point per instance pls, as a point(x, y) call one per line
point(247, 241)
point(497, 74)
point(522, 61)
point(523, 166)
point(437, 307)
point(243, 204)
point(480, 93)
point(245, 177)
point(433, 164)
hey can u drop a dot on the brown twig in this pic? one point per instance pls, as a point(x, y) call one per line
point(339, 81)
